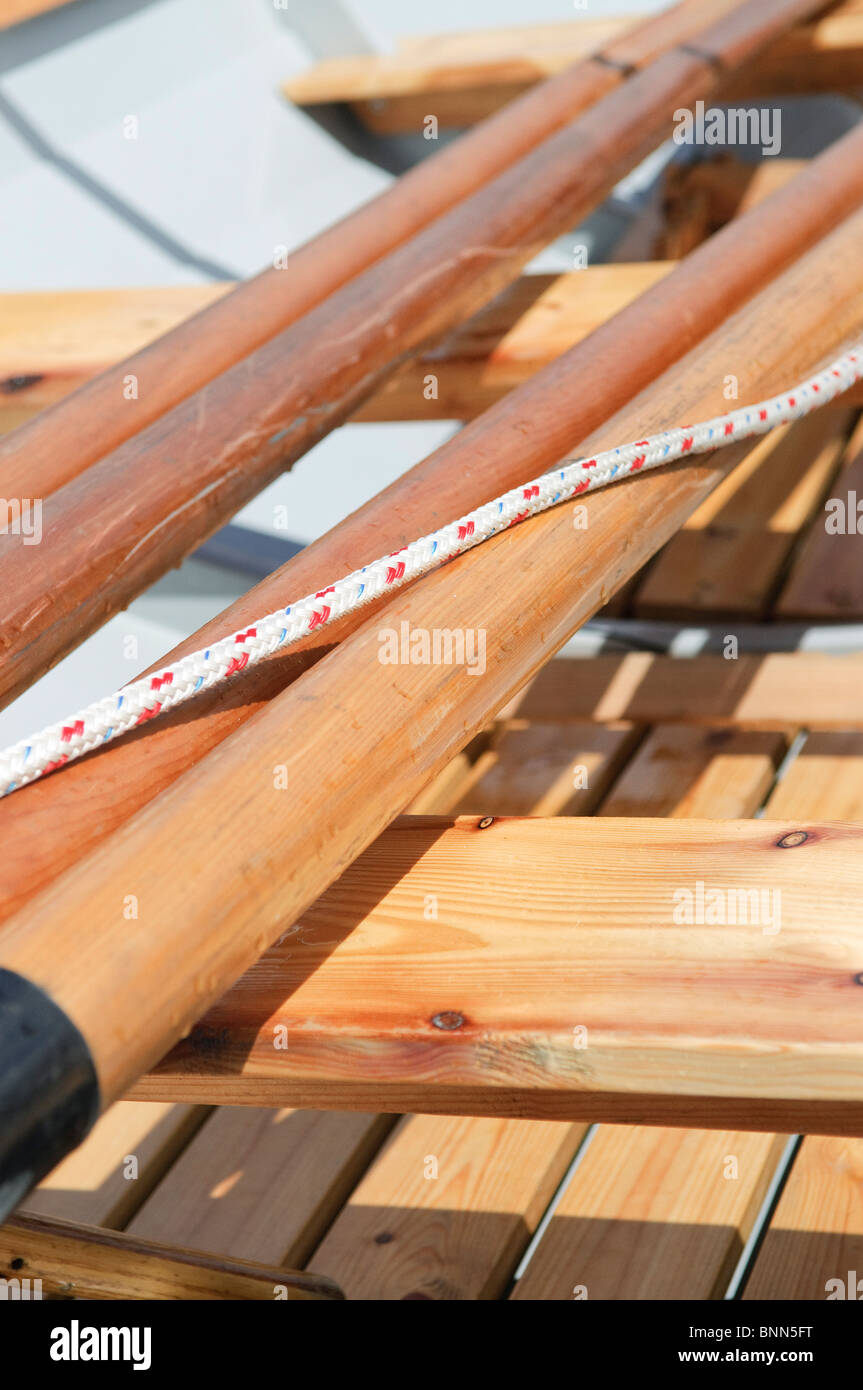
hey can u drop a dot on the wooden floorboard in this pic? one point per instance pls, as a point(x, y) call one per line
point(261, 1185)
point(729, 559)
point(662, 1213)
point(777, 690)
point(816, 1231)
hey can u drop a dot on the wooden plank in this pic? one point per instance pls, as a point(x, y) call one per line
point(53, 341)
point(83, 1262)
point(447, 1209)
point(729, 558)
point(454, 72)
point(474, 1013)
point(700, 198)
point(462, 78)
point(775, 691)
point(813, 1248)
point(50, 343)
point(261, 1185)
point(816, 1232)
point(654, 1214)
point(404, 1234)
point(546, 770)
point(96, 1184)
point(687, 771)
point(524, 434)
point(826, 581)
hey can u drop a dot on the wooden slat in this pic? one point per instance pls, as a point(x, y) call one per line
point(654, 1214)
point(546, 770)
point(777, 690)
point(538, 931)
point(261, 1185)
point(50, 343)
point(95, 1184)
point(455, 71)
point(447, 1209)
point(700, 198)
point(463, 78)
point(729, 558)
point(53, 341)
point(84, 1262)
point(456, 1230)
point(816, 1231)
point(687, 771)
point(826, 581)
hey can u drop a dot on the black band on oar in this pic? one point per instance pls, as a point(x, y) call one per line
point(49, 1091)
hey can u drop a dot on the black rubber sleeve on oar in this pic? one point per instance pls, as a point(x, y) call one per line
point(49, 1091)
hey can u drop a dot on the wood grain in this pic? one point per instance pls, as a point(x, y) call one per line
point(261, 1185)
point(447, 1209)
point(456, 1230)
point(95, 1184)
point(826, 582)
point(816, 1231)
point(664, 1213)
point(84, 1262)
point(538, 933)
point(730, 557)
point(778, 690)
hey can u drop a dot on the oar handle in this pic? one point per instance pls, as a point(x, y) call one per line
point(49, 1091)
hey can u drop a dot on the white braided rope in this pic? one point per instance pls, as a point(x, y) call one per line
point(116, 714)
